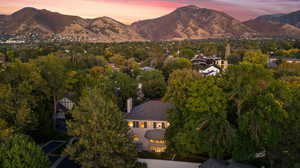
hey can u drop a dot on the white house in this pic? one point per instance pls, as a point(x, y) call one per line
point(148, 124)
point(210, 71)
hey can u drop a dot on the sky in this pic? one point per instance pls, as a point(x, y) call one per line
point(128, 11)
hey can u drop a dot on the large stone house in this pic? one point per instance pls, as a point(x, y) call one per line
point(148, 124)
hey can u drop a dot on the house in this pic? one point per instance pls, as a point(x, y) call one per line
point(210, 71)
point(204, 61)
point(64, 105)
point(147, 68)
point(148, 124)
point(275, 61)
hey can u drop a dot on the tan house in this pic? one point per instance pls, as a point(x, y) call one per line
point(148, 124)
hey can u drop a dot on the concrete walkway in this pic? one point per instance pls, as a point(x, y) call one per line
point(152, 163)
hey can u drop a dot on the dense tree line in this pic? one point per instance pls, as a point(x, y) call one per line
point(246, 110)
point(243, 112)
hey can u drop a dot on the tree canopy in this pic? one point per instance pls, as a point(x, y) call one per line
point(103, 134)
point(19, 151)
point(153, 84)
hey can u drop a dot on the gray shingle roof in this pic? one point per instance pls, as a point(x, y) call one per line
point(152, 110)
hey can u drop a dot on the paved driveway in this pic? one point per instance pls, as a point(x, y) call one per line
point(152, 163)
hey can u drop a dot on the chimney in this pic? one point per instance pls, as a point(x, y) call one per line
point(129, 105)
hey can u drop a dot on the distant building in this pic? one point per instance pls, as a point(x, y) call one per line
point(14, 41)
point(206, 61)
point(148, 124)
point(147, 68)
point(210, 71)
point(114, 67)
point(275, 61)
point(64, 105)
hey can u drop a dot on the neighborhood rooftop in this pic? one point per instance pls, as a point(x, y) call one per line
point(152, 110)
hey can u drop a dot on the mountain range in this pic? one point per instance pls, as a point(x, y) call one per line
point(189, 22)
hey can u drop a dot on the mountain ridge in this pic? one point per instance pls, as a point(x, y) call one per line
point(46, 23)
point(188, 22)
point(273, 29)
point(292, 18)
point(191, 22)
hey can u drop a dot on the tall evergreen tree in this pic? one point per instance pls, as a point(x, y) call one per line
point(103, 134)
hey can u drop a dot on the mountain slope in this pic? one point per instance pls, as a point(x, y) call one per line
point(191, 22)
point(273, 29)
point(269, 17)
point(48, 24)
point(291, 18)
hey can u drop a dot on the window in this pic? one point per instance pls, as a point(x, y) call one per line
point(154, 125)
point(163, 125)
point(136, 124)
point(145, 125)
point(157, 141)
point(136, 138)
point(142, 124)
point(130, 123)
point(158, 149)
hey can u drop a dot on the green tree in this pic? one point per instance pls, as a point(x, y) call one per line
point(18, 151)
point(17, 115)
point(245, 81)
point(103, 134)
point(154, 85)
point(212, 132)
point(177, 93)
point(175, 64)
point(21, 82)
point(198, 123)
point(256, 57)
point(187, 53)
point(125, 86)
point(257, 109)
point(53, 71)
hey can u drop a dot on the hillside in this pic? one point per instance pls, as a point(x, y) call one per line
point(46, 24)
point(191, 22)
point(290, 18)
point(273, 29)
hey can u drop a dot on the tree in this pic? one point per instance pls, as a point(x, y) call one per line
point(256, 57)
point(125, 86)
point(21, 82)
point(177, 93)
point(187, 53)
point(16, 114)
point(154, 85)
point(52, 69)
point(204, 126)
point(244, 81)
point(103, 134)
point(208, 115)
point(18, 151)
point(257, 109)
point(175, 64)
